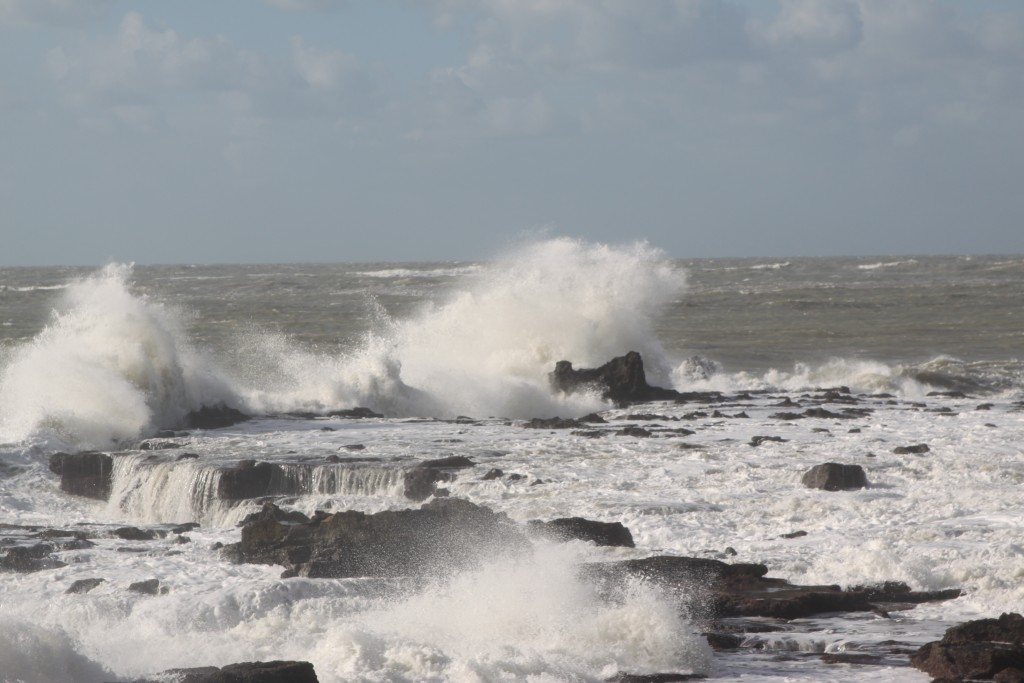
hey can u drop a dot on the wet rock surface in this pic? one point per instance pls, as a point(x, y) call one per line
point(246, 672)
point(440, 536)
point(833, 476)
point(981, 650)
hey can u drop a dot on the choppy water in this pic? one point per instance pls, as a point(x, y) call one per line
point(103, 358)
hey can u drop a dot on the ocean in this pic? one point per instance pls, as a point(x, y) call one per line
point(455, 356)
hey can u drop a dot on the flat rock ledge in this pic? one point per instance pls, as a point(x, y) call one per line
point(982, 650)
point(443, 535)
point(245, 672)
point(745, 590)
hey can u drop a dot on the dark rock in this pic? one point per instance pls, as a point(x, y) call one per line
point(183, 528)
point(131, 533)
point(593, 418)
point(758, 440)
point(724, 641)
point(250, 479)
point(632, 430)
point(787, 417)
point(421, 482)
point(794, 534)
point(492, 475)
point(355, 447)
point(833, 476)
point(158, 445)
point(148, 587)
point(246, 672)
point(84, 474)
point(743, 590)
point(441, 536)
point(621, 380)
point(577, 528)
point(30, 558)
point(552, 423)
point(451, 462)
point(355, 414)
point(589, 433)
point(214, 417)
point(981, 649)
point(916, 449)
point(84, 585)
point(187, 456)
point(850, 658)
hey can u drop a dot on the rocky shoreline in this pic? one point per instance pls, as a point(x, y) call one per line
point(447, 534)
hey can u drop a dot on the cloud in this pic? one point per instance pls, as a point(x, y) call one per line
point(53, 12)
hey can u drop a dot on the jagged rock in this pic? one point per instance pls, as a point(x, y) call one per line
point(214, 417)
point(84, 474)
point(622, 380)
point(986, 649)
point(246, 672)
point(84, 585)
point(250, 479)
point(421, 482)
point(441, 535)
point(833, 476)
point(577, 528)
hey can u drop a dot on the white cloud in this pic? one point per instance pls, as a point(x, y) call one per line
point(53, 12)
point(322, 69)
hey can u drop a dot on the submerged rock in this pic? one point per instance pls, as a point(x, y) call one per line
point(444, 534)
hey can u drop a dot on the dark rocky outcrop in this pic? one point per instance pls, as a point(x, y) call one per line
point(30, 558)
point(83, 585)
point(744, 590)
point(421, 482)
point(84, 474)
point(833, 476)
point(986, 649)
point(441, 535)
point(553, 423)
point(246, 672)
point(622, 380)
point(916, 449)
point(250, 479)
point(214, 417)
point(577, 528)
point(147, 587)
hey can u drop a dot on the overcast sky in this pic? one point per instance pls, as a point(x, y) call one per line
point(200, 131)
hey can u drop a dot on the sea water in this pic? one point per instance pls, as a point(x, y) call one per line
point(106, 358)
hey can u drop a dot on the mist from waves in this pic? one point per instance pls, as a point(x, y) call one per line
point(114, 365)
point(534, 616)
point(110, 365)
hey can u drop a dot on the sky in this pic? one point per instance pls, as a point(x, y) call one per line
point(233, 131)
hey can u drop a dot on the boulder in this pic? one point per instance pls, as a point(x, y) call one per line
point(250, 479)
point(622, 380)
point(86, 474)
point(833, 476)
point(916, 449)
point(214, 417)
point(442, 535)
point(986, 649)
point(576, 528)
point(421, 482)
